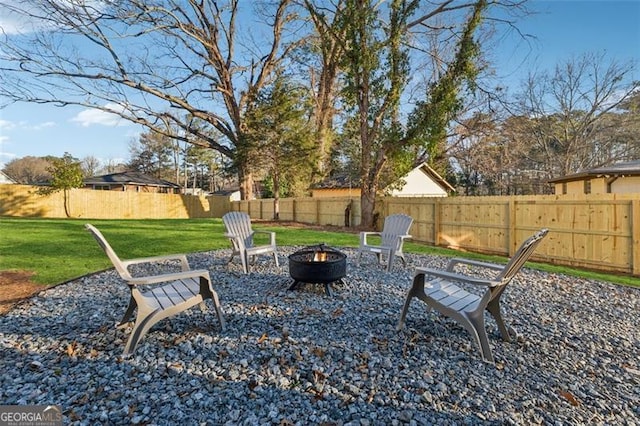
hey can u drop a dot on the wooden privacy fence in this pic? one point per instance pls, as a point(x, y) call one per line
point(22, 200)
point(596, 231)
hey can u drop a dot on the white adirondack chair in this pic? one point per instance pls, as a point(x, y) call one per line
point(394, 232)
point(157, 297)
point(467, 308)
point(240, 234)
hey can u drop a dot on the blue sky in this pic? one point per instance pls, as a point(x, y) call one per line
point(563, 29)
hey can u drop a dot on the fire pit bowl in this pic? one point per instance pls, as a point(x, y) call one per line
point(317, 264)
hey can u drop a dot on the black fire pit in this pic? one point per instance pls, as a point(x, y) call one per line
point(317, 265)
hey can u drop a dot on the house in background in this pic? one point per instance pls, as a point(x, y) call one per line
point(131, 181)
point(5, 179)
point(422, 181)
point(232, 193)
point(618, 178)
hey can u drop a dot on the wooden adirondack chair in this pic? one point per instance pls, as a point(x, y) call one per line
point(157, 297)
point(467, 308)
point(394, 232)
point(240, 234)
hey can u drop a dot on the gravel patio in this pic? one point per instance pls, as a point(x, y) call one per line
point(303, 358)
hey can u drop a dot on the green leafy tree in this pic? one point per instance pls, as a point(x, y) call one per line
point(152, 154)
point(66, 174)
point(281, 140)
point(376, 73)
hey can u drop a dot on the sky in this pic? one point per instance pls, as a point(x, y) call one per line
point(562, 29)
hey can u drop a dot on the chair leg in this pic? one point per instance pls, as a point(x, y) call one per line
point(416, 290)
point(140, 327)
point(128, 314)
point(207, 292)
point(390, 258)
point(475, 326)
point(494, 309)
point(244, 260)
point(275, 257)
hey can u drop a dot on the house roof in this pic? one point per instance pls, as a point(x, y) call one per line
point(339, 181)
point(129, 178)
point(628, 168)
point(343, 181)
point(4, 178)
point(436, 177)
point(226, 191)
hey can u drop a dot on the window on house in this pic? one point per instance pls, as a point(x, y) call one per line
point(587, 186)
point(564, 188)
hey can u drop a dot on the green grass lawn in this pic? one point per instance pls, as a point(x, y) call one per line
point(57, 250)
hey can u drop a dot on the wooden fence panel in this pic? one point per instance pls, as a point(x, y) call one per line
point(23, 200)
point(596, 231)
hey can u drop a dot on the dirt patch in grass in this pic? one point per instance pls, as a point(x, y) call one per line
point(16, 286)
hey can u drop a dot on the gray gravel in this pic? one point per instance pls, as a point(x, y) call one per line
point(302, 358)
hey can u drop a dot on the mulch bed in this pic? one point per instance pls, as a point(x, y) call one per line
point(16, 286)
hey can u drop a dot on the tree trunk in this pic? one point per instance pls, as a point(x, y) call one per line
point(65, 195)
point(276, 196)
point(246, 182)
point(367, 206)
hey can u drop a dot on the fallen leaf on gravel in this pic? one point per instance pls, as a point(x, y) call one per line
point(71, 349)
point(569, 397)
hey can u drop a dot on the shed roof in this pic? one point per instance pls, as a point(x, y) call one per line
point(344, 181)
point(627, 168)
point(129, 178)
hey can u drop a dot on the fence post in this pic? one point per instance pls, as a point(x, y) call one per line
point(437, 213)
point(511, 226)
point(635, 237)
point(293, 209)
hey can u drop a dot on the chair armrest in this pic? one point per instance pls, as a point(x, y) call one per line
point(154, 279)
point(365, 234)
point(458, 260)
point(154, 259)
point(272, 236)
point(453, 276)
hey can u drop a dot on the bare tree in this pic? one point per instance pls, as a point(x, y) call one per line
point(571, 118)
point(324, 75)
point(29, 170)
point(90, 166)
point(151, 62)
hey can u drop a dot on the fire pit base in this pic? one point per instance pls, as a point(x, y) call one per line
point(317, 265)
point(327, 286)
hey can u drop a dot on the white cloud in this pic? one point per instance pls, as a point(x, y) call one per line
point(23, 17)
point(89, 117)
point(12, 22)
point(6, 125)
point(44, 125)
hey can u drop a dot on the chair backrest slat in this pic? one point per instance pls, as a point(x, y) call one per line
point(239, 224)
point(111, 254)
point(521, 256)
point(394, 225)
